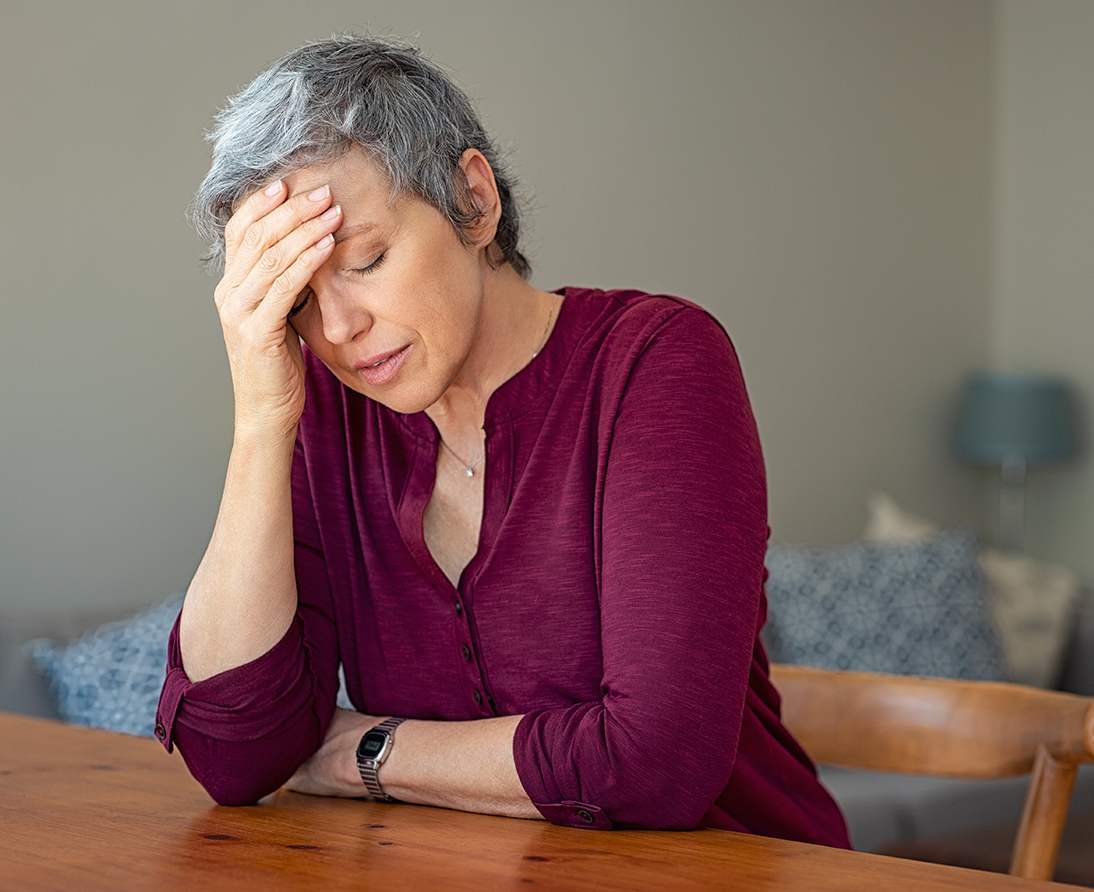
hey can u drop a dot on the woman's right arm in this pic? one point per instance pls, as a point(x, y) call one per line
point(243, 597)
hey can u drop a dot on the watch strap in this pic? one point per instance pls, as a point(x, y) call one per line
point(370, 767)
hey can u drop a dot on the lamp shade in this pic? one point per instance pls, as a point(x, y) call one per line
point(1008, 418)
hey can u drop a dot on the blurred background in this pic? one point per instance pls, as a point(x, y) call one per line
point(875, 198)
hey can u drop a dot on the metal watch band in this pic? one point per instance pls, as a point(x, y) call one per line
point(370, 767)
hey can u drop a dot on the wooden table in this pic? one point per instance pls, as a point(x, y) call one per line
point(84, 810)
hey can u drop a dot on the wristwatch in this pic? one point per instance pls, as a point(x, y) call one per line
point(372, 751)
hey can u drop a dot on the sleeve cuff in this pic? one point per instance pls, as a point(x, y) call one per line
point(244, 703)
point(574, 814)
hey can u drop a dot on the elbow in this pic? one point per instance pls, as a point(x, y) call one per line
point(228, 788)
point(675, 806)
point(233, 793)
point(241, 772)
point(235, 773)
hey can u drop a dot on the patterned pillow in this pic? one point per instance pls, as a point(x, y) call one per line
point(111, 678)
point(915, 608)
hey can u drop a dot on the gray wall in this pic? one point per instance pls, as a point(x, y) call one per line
point(818, 174)
point(1044, 241)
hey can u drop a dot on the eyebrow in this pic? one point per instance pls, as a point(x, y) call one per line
point(346, 232)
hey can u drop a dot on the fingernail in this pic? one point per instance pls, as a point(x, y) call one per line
point(320, 193)
point(325, 242)
point(331, 213)
point(273, 188)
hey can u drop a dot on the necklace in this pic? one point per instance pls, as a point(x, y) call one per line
point(547, 327)
point(471, 467)
point(542, 343)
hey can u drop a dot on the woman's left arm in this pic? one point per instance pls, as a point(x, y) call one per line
point(463, 765)
point(681, 533)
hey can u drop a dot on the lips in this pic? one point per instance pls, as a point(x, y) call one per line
point(381, 367)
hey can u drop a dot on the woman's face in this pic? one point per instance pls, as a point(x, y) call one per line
point(395, 310)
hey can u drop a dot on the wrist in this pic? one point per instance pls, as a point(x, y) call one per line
point(372, 751)
point(265, 435)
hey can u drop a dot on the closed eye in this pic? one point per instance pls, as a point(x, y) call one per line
point(372, 267)
point(301, 302)
point(305, 295)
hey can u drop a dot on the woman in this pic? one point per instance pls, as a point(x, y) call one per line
point(529, 525)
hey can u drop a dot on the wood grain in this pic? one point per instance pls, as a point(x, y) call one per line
point(92, 810)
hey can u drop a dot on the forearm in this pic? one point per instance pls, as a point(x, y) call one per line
point(243, 596)
point(461, 765)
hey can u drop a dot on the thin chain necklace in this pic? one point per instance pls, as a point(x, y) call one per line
point(470, 468)
point(543, 342)
point(547, 327)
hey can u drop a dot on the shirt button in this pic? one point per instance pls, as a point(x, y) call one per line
point(161, 732)
point(586, 816)
point(476, 695)
point(466, 651)
point(459, 609)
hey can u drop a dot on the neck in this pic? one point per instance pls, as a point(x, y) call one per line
point(516, 320)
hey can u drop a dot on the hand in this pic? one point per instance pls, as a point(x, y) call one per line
point(274, 244)
point(332, 769)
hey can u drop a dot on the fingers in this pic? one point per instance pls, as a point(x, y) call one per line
point(257, 205)
point(276, 298)
point(269, 232)
point(266, 216)
point(274, 244)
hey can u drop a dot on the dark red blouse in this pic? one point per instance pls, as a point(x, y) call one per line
point(615, 600)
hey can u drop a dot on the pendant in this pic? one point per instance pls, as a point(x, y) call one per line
point(470, 472)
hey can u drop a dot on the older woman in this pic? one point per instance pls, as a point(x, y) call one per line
point(530, 526)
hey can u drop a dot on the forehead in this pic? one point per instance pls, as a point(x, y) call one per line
point(357, 184)
point(354, 171)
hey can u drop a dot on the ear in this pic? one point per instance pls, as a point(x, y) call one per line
point(482, 195)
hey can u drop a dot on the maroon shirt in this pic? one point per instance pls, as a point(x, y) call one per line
point(615, 600)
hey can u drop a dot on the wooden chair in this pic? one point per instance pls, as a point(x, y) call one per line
point(971, 729)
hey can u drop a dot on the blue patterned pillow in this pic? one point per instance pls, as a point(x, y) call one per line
point(915, 608)
point(112, 677)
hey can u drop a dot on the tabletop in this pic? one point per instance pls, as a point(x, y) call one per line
point(88, 809)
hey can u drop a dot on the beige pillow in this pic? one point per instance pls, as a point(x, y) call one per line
point(888, 522)
point(1033, 604)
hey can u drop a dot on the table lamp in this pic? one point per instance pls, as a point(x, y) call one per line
point(1011, 421)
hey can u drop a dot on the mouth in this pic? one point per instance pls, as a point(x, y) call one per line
point(381, 368)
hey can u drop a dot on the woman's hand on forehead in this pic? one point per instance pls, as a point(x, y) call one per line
point(274, 243)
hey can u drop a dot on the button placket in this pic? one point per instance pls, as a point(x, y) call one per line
point(469, 655)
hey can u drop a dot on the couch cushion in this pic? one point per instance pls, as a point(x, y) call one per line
point(1034, 604)
point(916, 608)
point(1035, 607)
point(111, 677)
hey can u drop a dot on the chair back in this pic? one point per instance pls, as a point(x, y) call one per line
point(971, 729)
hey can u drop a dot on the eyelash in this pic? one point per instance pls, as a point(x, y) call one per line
point(372, 267)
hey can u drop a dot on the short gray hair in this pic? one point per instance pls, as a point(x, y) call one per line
point(326, 97)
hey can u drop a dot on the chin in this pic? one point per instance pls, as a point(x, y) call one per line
point(405, 400)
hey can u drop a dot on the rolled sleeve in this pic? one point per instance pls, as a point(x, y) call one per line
point(242, 732)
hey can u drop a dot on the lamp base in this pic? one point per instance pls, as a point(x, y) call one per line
point(1012, 505)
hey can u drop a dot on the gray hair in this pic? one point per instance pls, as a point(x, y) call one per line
point(326, 97)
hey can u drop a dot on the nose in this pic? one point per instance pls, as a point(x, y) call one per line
point(344, 318)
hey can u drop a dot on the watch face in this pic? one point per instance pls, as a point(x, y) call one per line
point(372, 744)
